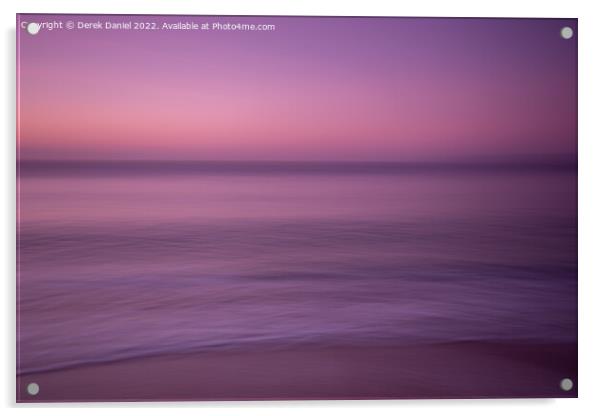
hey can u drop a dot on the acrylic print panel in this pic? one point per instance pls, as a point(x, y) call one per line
point(251, 208)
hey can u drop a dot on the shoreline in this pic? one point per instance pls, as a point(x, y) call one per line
point(428, 371)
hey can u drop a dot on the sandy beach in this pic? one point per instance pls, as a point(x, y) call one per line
point(478, 370)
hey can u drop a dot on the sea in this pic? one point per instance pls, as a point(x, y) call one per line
point(126, 259)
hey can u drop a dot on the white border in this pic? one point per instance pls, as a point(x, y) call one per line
point(590, 199)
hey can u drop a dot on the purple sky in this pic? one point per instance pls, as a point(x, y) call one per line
point(313, 89)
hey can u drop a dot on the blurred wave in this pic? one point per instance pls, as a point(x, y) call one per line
point(115, 265)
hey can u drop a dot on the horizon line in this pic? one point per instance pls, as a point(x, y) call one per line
point(472, 160)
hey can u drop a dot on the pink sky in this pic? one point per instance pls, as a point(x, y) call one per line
point(315, 88)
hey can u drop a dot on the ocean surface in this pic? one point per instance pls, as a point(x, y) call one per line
point(130, 259)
